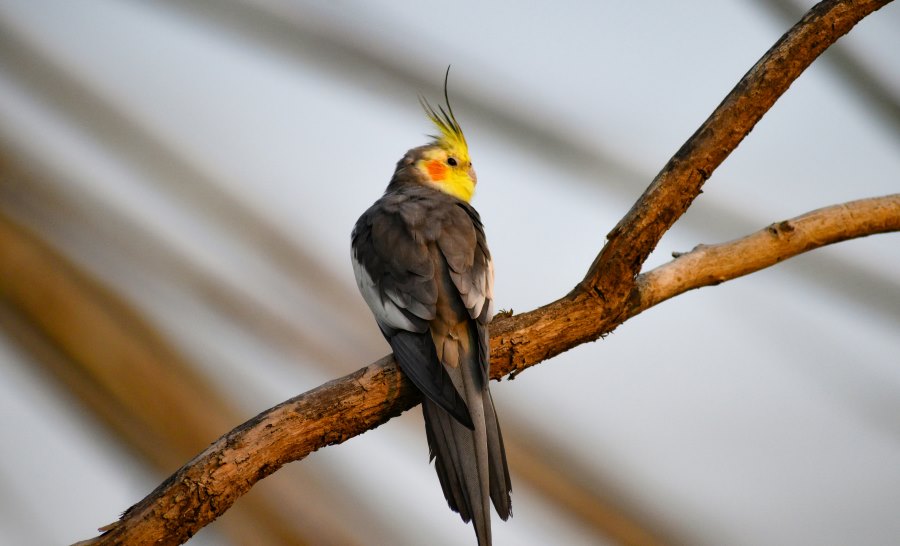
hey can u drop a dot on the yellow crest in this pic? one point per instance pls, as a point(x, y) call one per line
point(451, 137)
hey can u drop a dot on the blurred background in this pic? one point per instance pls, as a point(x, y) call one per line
point(178, 182)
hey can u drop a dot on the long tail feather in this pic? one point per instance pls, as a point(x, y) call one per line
point(471, 464)
point(458, 466)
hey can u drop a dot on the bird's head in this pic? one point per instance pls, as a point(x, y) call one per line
point(444, 164)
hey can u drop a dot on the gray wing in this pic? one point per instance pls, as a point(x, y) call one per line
point(464, 247)
point(471, 465)
point(472, 272)
point(395, 274)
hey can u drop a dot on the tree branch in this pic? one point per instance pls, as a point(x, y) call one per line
point(611, 292)
point(207, 485)
point(598, 302)
point(708, 265)
point(681, 179)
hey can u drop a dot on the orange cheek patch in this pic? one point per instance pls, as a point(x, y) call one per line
point(436, 170)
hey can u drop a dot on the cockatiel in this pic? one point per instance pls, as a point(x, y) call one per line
point(423, 266)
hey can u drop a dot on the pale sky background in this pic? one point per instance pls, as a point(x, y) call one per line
point(762, 411)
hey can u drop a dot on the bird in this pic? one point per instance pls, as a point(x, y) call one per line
point(422, 264)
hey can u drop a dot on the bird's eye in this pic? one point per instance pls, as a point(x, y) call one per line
point(452, 161)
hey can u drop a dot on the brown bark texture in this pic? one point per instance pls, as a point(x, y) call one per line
point(611, 292)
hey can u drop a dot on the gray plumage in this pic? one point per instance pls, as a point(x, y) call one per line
point(422, 264)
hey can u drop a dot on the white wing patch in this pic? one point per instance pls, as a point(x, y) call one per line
point(386, 311)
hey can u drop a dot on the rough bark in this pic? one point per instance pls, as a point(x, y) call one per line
point(610, 293)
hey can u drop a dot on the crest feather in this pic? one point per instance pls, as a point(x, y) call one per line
point(451, 134)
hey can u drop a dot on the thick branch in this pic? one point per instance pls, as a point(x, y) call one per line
point(207, 486)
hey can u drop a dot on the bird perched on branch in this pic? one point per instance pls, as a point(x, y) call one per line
point(422, 264)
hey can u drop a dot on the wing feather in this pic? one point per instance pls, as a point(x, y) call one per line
point(464, 247)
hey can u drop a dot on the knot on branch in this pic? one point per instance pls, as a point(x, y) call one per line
point(781, 229)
